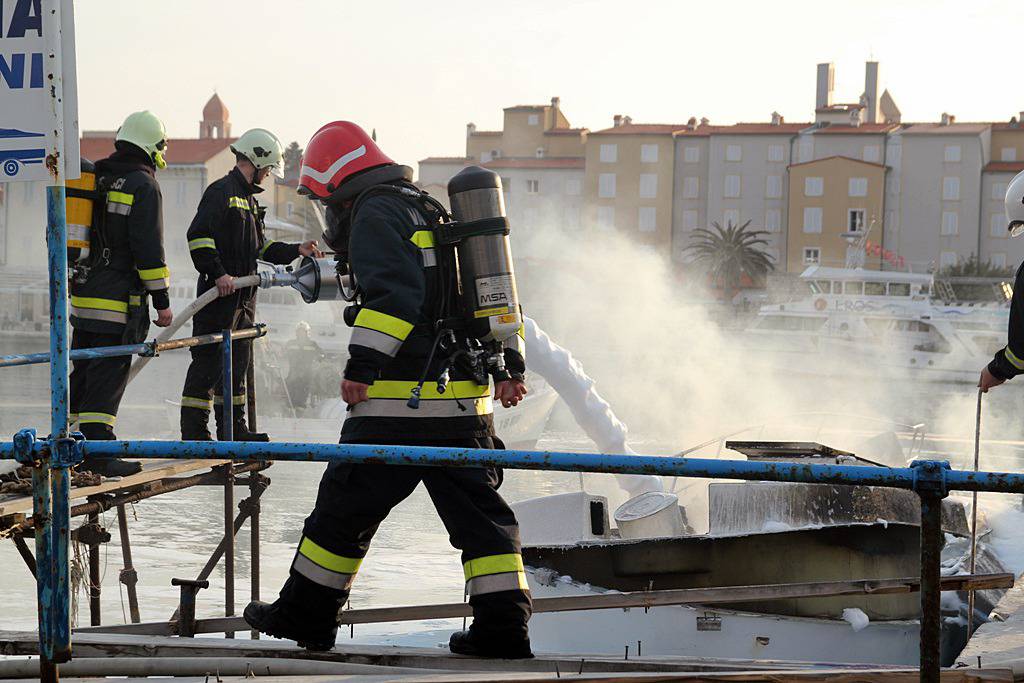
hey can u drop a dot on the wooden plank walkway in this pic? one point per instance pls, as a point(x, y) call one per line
point(1000, 641)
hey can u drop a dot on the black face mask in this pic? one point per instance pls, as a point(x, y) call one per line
point(339, 227)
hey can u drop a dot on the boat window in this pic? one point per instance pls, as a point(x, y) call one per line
point(853, 288)
point(989, 345)
point(899, 289)
point(837, 287)
point(821, 287)
point(874, 288)
point(791, 323)
point(924, 289)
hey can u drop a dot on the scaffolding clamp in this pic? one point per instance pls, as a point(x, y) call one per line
point(67, 451)
point(25, 446)
point(930, 477)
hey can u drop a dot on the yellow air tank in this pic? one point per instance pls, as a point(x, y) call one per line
point(80, 196)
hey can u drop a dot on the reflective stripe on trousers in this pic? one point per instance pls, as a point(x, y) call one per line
point(200, 403)
point(324, 567)
point(495, 573)
point(238, 400)
point(97, 418)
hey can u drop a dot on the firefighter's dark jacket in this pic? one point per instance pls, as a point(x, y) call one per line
point(394, 260)
point(1009, 361)
point(226, 236)
point(132, 262)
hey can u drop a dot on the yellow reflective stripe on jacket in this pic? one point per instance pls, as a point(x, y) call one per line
point(382, 322)
point(99, 304)
point(239, 203)
point(200, 403)
point(97, 418)
point(134, 299)
point(202, 243)
point(1014, 361)
point(266, 246)
point(424, 239)
point(154, 273)
point(121, 198)
point(462, 389)
point(328, 560)
point(493, 564)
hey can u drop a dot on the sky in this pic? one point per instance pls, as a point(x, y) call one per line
point(418, 72)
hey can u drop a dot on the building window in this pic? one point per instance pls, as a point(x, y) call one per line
point(533, 186)
point(773, 220)
point(953, 154)
point(730, 217)
point(855, 220)
point(776, 153)
point(997, 225)
point(289, 209)
point(733, 153)
point(814, 187)
point(812, 219)
point(485, 157)
point(951, 189)
point(858, 187)
point(649, 154)
point(540, 152)
point(950, 223)
point(648, 185)
point(183, 194)
point(572, 217)
point(606, 185)
point(605, 217)
point(689, 219)
point(573, 187)
point(812, 256)
point(805, 151)
point(998, 260)
point(999, 191)
point(691, 187)
point(533, 119)
point(947, 259)
point(609, 153)
point(773, 187)
point(1008, 154)
point(691, 155)
point(872, 153)
point(648, 219)
point(732, 186)
point(506, 184)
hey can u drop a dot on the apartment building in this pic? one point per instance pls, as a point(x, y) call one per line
point(1006, 161)
point(628, 183)
point(528, 131)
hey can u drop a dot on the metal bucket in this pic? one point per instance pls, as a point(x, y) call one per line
point(650, 515)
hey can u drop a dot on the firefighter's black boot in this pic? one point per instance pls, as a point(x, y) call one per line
point(304, 612)
point(467, 643)
point(240, 429)
point(105, 466)
point(195, 424)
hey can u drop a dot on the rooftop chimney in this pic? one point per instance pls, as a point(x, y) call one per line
point(470, 129)
point(776, 118)
point(855, 118)
point(617, 120)
point(626, 120)
point(691, 124)
point(871, 95)
point(947, 119)
point(704, 121)
point(1020, 119)
point(555, 101)
point(826, 84)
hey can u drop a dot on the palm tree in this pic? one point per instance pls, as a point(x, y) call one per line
point(727, 254)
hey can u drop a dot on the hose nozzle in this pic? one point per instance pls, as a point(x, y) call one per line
point(414, 401)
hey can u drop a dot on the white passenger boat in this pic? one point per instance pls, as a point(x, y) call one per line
point(854, 320)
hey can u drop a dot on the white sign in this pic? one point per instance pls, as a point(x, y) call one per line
point(27, 123)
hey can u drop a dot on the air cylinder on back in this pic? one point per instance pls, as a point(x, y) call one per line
point(78, 207)
point(488, 280)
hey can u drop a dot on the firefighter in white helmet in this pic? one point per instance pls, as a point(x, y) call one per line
point(1009, 361)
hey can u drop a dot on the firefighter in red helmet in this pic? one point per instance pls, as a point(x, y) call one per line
point(381, 227)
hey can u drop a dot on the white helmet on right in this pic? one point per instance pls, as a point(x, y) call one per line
point(1015, 205)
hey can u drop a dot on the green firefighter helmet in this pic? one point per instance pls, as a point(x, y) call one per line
point(144, 130)
point(262, 148)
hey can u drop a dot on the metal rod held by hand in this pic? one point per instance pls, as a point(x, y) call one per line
point(974, 514)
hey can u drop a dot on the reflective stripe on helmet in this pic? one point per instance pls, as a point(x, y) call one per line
point(202, 243)
point(339, 163)
point(382, 322)
point(378, 341)
point(496, 583)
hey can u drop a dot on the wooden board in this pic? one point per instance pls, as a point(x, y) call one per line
point(1001, 640)
point(152, 470)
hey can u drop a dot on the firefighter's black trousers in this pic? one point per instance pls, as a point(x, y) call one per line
point(203, 391)
point(97, 385)
point(354, 499)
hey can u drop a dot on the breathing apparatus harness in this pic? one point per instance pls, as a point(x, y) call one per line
point(450, 328)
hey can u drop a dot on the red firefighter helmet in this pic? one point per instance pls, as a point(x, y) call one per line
point(337, 153)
